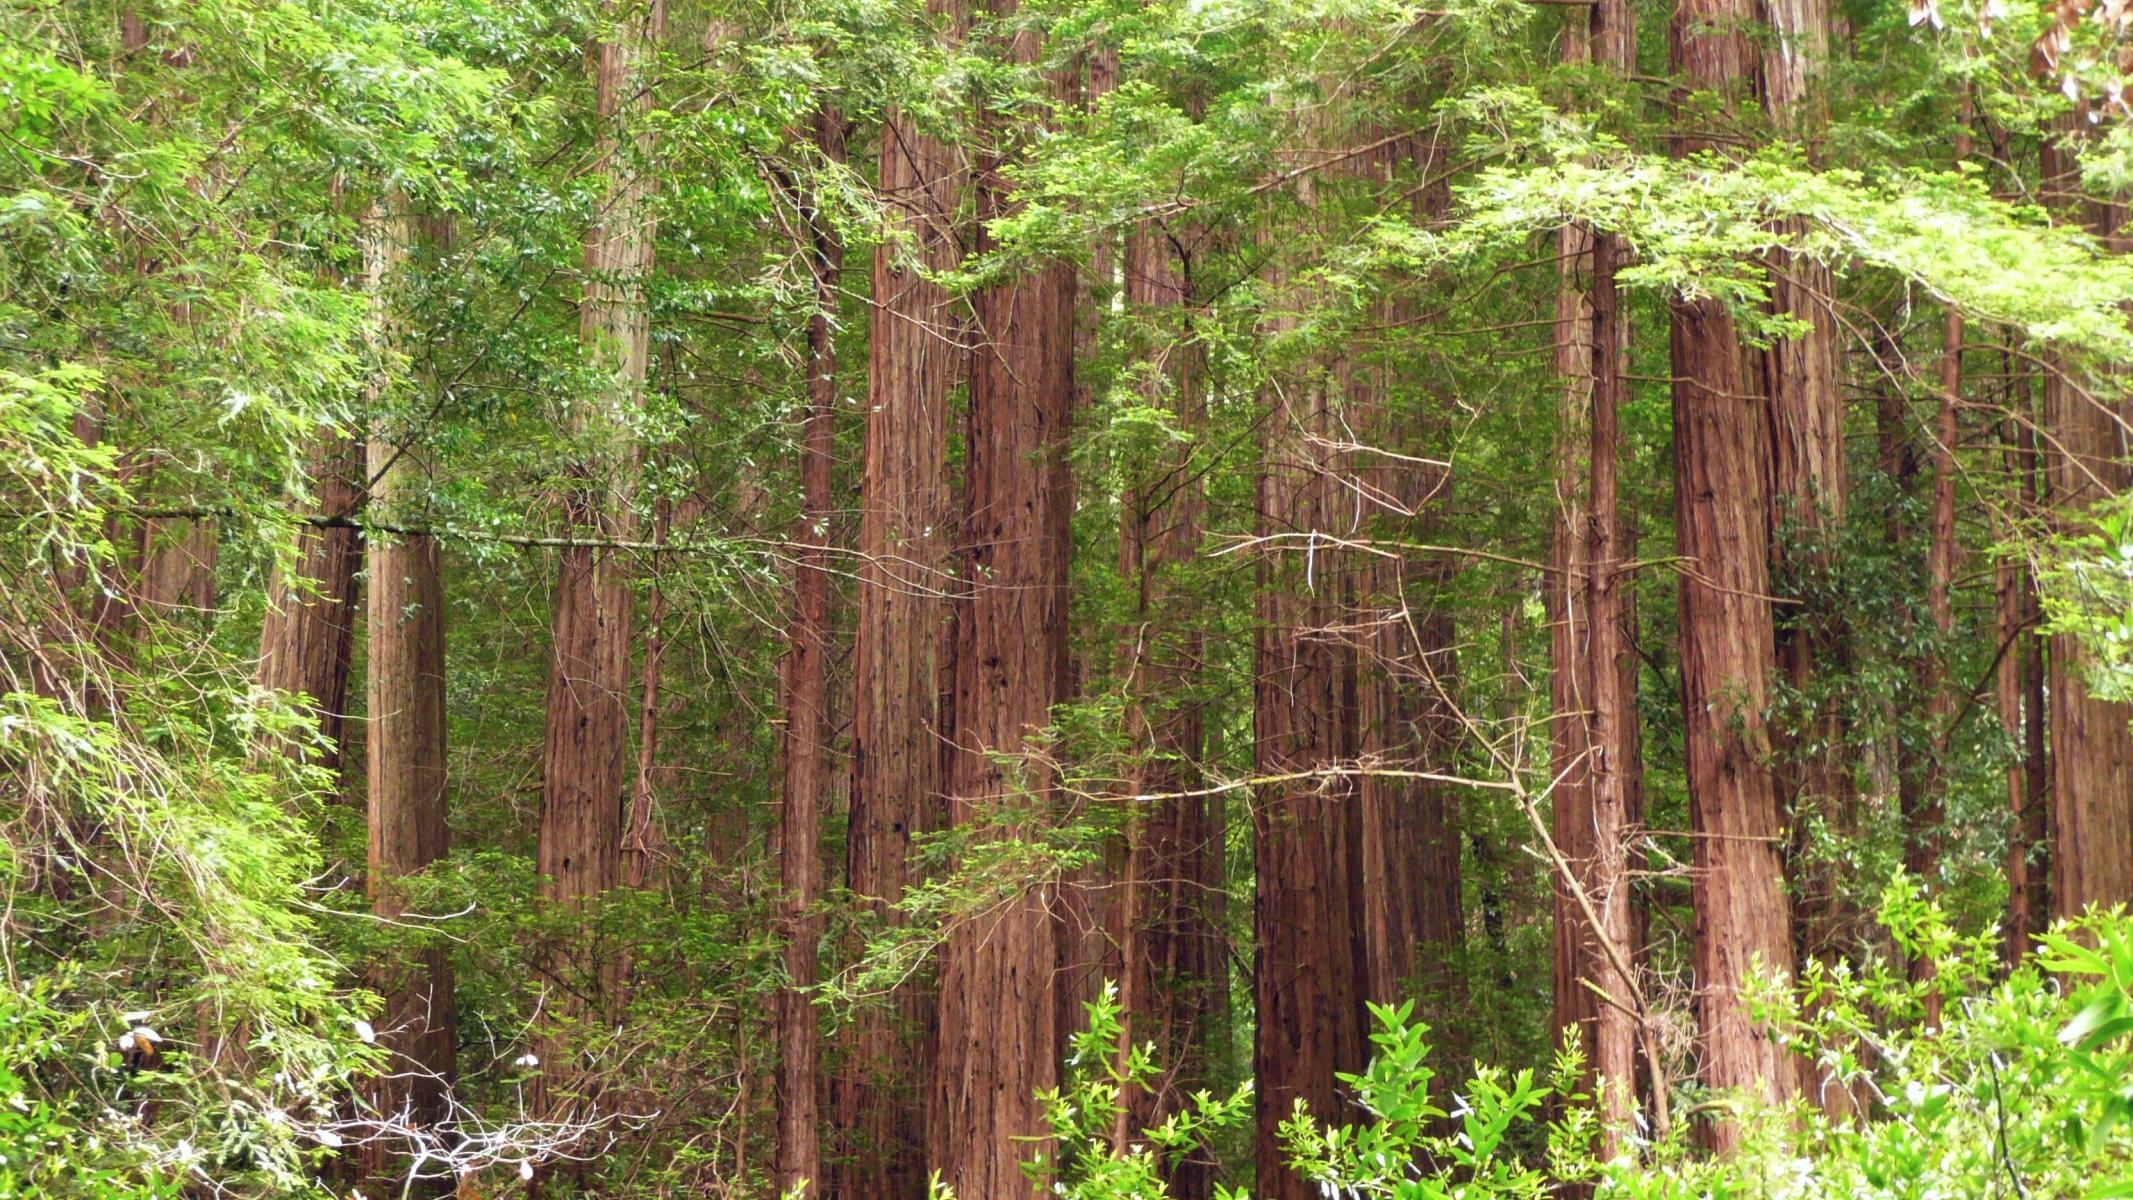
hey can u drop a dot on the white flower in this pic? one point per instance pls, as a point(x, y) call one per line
point(330, 1140)
point(525, 1171)
point(528, 1060)
point(368, 1035)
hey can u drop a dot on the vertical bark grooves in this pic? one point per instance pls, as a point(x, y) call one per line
point(998, 1018)
point(1169, 943)
point(307, 638)
point(1612, 736)
point(584, 752)
point(1306, 985)
point(1592, 678)
point(2091, 744)
point(898, 735)
point(405, 747)
point(807, 719)
point(1742, 921)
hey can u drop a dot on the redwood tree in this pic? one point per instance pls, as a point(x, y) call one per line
point(1721, 531)
point(998, 1027)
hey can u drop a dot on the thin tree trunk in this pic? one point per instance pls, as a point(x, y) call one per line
point(1612, 737)
point(807, 718)
point(405, 746)
point(2022, 705)
point(998, 1016)
point(1593, 730)
point(914, 364)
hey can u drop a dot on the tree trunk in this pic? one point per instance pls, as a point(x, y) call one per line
point(914, 365)
point(1727, 655)
point(1612, 732)
point(1594, 727)
point(1169, 943)
point(585, 743)
point(2091, 742)
point(998, 1016)
point(807, 718)
point(1306, 987)
point(2022, 704)
point(307, 638)
point(405, 746)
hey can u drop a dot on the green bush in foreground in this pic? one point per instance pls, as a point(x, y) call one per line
point(2023, 1090)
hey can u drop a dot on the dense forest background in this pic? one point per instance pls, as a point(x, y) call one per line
point(1130, 598)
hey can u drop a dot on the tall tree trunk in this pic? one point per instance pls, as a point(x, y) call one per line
point(585, 743)
point(807, 717)
point(1722, 534)
point(914, 364)
point(2091, 742)
point(1591, 674)
point(1169, 944)
point(2022, 705)
point(1306, 987)
point(1808, 490)
point(307, 638)
point(1612, 733)
point(405, 744)
point(998, 1017)
point(1408, 848)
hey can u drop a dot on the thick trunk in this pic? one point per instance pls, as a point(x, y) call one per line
point(585, 745)
point(914, 364)
point(1727, 655)
point(2091, 742)
point(404, 741)
point(807, 721)
point(1306, 986)
point(998, 1027)
point(307, 638)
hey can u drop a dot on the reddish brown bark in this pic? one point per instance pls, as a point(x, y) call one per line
point(1169, 944)
point(585, 743)
point(1592, 672)
point(2091, 742)
point(404, 740)
point(1743, 923)
point(1306, 986)
point(998, 1024)
point(914, 364)
point(307, 637)
point(807, 719)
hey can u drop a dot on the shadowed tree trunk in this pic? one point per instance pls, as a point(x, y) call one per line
point(1170, 946)
point(1306, 987)
point(2022, 704)
point(307, 638)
